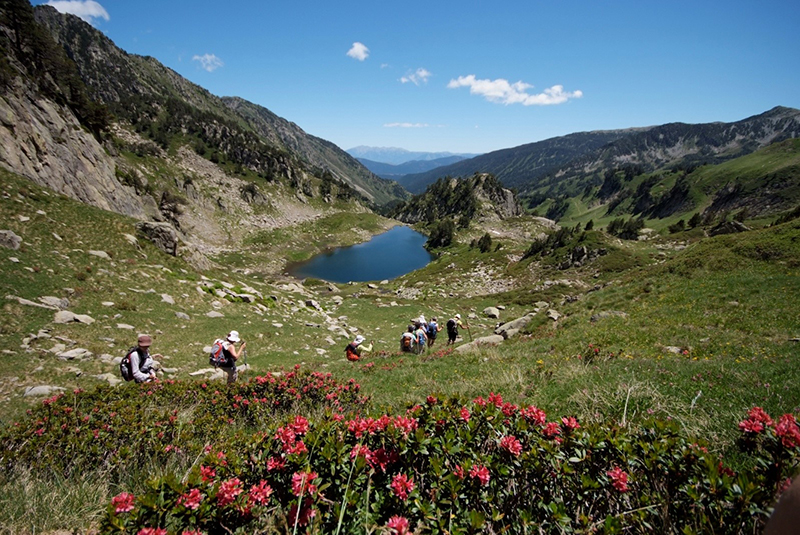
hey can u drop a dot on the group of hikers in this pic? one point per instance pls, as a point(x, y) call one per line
point(139, 365)
point(419, 335)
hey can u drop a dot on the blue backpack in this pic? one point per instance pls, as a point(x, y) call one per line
point(432, 330)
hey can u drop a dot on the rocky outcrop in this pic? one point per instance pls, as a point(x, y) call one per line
point(45, 143)
point(162, 235)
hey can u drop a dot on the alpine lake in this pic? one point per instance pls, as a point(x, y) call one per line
point(396, 252)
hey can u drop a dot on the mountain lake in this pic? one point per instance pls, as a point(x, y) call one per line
point(386, 256)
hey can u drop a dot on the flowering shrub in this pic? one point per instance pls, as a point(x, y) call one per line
point(481, 466)
point(109, 428)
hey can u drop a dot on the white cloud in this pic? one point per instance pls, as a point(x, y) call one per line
point(419, 76)
point(406, 125)
point(358, 51)
point(502, 91)
point(85, 9)
point(209, 62)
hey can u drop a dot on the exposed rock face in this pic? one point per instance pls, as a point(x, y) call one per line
point(161, 234)
point(45, 143)
point(9, 239)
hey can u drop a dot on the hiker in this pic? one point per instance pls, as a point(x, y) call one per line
point(433, 330)
point(453, 325)
point(229, 355)
point(422, 337)
point(357, 348)
point(140, 361)
point(407, 341)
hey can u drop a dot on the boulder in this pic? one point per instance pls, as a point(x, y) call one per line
point(491, 340)
point(553, 314)
point(100, 254)
point(215, 314)
point(313, 304)
point(10, 240)
point(491, 312)
point(42, 390)
point(73, 354)
point(182, 316)
point(61, 303)
point(166, 298)
point(516, 325)
point(607, 314)
point(162, 235)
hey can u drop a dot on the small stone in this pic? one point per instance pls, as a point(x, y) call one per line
point(42, 390)
point(64, 316)
point(125, 326)
point(182, 315)
point(166, 298)
point(215, 314)
point(100, 254)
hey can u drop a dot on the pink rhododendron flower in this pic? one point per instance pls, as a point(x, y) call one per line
point(275, 463)
point(431, 400)
point(757, 420)
point(382, 458)
point(123, 502)
point(481, 473)
point(405, 425)
point(398, 525)
point(192, 532)
point(191, 500)
point(259, 494)
point(619, 479)
point(496, 399)
point(228, 491)
point(152, 531)
point(402, 485)
point(305, 515)
point(511, 444)
point(787, 431)
point(551, 430)
point(300, 425)
point(301, 483)
point(535, 415)
point(570, 423)
point(465, 414)
point(479, 401)
point(208, 473)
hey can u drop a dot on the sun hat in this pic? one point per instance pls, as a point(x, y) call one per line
point(458, 316)
point(233, 336)
point(422, 319)
point(359, 339)
point(145, 340)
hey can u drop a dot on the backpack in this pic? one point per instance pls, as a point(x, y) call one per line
point(451, 325)
point(350, 352)
point(217, 356)
point(432, 330)
point(125, 369)
point(407, 342)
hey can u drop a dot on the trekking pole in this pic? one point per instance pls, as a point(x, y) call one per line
point(470, 332)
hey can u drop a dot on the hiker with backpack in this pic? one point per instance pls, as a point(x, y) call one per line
point(224, 355)
point(433, 330)
point(421, 336)
point(357, 348)
point(407, 340)
point(138, 364)
point(453, 325)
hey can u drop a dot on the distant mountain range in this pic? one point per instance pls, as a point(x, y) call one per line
point(396, 172)
point(583, 157)
point(397, 156)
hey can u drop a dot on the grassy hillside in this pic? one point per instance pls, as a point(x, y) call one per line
point(694, 332)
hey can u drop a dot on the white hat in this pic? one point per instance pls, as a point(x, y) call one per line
point(422, 319)
point(233, 336)
point(359, 339)
point(458, 316)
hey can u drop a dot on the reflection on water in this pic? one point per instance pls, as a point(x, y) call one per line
point(386, 256)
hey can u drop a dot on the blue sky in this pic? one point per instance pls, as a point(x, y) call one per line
point(471, 76)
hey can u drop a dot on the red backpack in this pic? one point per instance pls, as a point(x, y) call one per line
point(350, 351)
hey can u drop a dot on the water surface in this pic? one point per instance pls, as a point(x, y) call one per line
point(386, 256)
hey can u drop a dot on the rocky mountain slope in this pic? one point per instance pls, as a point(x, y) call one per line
point(518, 166)
point(398, 171)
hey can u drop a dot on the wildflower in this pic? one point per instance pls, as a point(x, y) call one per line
point(496, 399)
point(192, 532)
point(458, 471)
point(381, 458)
point(360, 450)
point(757, 420)
point(301, 483)
point(535, 415)
point(481, 473)
point(207, 473)
point(305, 514)
point(275, 463)
point(152, 531)
point(123, 503)
point(787, 431)
point(300, 425)
point(260, 493)
point(398, 525)
point(551, 430)
point(228, 491)
point(619, 479)
point(465, 414)
point(405, 425)
point(511, 445)
point(570, 423)
point(402, 485)
point(431, 400)
point(191, 500)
